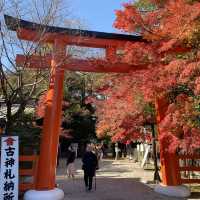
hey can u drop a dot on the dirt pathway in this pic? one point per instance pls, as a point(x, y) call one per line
point(116, 180)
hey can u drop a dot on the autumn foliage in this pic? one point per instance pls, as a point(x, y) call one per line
point(170, 52)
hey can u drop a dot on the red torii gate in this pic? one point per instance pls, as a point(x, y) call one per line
point(59, 62)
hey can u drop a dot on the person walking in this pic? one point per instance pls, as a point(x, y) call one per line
point(117, 150)
point(98, 153)
point(58, 155)
point(89, 167)
point(70, 163)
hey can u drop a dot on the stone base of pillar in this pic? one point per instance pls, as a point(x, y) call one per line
point(173, 191)
point(55, 194)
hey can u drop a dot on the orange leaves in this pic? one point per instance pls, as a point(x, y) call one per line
point(172, 20)
point(197, 86)
point(41, 105)
point(139, 53)
point(40, 108)
point(167, 45)
point(171, 65)
point(121, 114)
point(178, 19)
point(128, 19)
point(180, 125)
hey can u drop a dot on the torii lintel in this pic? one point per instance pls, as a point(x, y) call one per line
point(36, 32)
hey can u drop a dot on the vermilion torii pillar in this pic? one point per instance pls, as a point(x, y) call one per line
point(52, 119)
point(168, 160)
point(171, 179)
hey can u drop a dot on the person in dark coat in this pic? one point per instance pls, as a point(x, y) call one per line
point(89, 166)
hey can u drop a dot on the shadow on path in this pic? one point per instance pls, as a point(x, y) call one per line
point(116, 180)
point(111, 189)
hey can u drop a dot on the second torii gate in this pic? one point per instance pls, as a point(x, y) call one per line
point(58, 62)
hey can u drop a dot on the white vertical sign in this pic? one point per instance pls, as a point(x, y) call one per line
point(145, 155)
point(9, 168)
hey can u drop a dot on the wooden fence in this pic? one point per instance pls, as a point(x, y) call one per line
point(188, 168)
point(27, 172)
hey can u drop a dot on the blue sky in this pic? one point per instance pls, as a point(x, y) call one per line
point(98, 15)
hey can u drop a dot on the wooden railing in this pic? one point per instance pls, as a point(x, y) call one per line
point(188, 166)
point(27, 174)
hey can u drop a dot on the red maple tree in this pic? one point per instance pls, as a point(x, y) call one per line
point(170, 51)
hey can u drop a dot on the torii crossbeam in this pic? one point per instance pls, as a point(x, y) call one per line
point(59, 62)
point(111, 42)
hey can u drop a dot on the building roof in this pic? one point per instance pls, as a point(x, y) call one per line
point(14, 109)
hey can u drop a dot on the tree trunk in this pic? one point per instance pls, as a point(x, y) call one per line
point(20, 111)
point(12, 118)
point(83, 93)
point(156, 172)
point(8, 118)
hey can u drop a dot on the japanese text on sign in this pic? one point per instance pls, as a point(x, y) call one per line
point(9, 168)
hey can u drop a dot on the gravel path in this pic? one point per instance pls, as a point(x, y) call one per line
point(116, 180)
